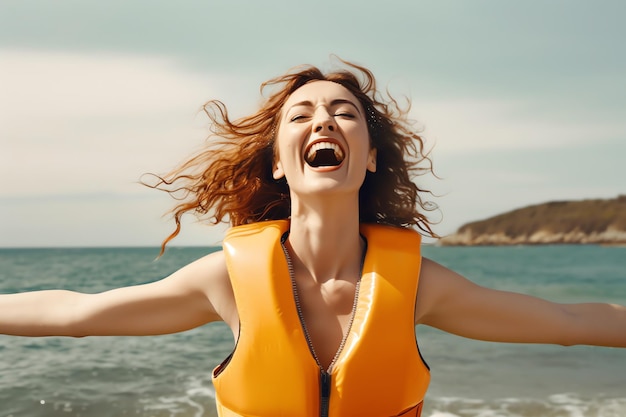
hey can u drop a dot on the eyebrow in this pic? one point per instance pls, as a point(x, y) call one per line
point(333, 103)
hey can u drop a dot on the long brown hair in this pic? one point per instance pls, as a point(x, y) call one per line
point(232, 176)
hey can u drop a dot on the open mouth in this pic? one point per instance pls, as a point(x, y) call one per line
point(324, 154)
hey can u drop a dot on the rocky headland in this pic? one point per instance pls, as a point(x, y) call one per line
point(599, 221)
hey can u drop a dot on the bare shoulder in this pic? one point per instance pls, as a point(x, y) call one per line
point(209, 275)
point(207, 270)
point(439, 288)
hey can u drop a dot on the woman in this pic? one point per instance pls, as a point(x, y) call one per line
point(321, 279)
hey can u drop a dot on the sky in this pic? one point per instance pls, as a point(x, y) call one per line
point(521, 102)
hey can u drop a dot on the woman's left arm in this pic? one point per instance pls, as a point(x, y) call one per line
point(450, 302)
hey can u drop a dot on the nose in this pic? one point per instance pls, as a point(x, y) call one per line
point(323, 121)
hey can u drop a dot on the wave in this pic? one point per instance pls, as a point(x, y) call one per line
point(557, 405)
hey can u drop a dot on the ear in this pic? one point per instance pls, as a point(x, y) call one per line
point(371, 160)
point(277, 170)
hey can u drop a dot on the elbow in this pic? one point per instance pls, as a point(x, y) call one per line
point(568, 343)
point(78, 329)
point(576, 329)
point(570, 330)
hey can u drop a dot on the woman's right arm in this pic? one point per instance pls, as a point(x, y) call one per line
point(192, 296)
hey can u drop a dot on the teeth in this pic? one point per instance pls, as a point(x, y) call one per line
point(325, 145)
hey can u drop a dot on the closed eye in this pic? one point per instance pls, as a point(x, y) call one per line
point(298, 117)
point(345, 114)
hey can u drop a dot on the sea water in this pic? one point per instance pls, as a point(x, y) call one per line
point(163, 376)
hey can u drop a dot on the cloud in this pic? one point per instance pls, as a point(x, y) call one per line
point(74, 122)
point(78, 130)
point(474, 124)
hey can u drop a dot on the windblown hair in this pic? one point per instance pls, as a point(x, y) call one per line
point(232, 176)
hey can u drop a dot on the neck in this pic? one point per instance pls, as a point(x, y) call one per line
point(325, 240)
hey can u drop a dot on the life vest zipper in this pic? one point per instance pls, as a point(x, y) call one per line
point(325, 378)
point(324, 393)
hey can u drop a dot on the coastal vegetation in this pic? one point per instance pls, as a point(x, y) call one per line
point(592, 221)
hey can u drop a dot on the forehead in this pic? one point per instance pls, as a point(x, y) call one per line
point(321, 92)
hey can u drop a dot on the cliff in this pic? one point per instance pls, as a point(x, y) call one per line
point(557, 222)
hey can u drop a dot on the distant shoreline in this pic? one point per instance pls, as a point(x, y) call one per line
point(599, 221)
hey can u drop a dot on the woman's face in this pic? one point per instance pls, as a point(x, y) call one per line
point(323, 143)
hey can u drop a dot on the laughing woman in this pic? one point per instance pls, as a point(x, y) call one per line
point(320, 279)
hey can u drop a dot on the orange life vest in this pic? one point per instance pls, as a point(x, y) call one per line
point(379, 372)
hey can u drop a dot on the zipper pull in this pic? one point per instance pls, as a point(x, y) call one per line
point(324, 393)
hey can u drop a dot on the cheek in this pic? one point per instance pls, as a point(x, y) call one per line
point(360, 140)
point(285, 155)
point(287, 145)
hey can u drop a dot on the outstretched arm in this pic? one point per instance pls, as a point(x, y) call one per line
point(449, 302)
point(194, 295)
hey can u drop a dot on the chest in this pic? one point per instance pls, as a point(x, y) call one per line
point(326, 312)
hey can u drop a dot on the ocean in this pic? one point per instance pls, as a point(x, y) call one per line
point(170, 376)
